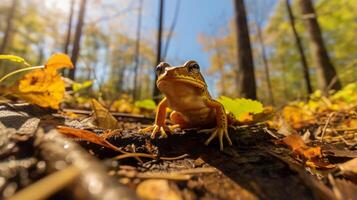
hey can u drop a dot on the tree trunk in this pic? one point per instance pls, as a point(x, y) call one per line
point(266, 65)
point(171, 30)
point(137, 52)
point(9, 24)
point(305, 68)
point(156, 92)
point(325, 70)
point(77, 38)
point(245, 71)
point(69, 28)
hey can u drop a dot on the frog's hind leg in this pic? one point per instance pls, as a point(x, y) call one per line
point(179, 121)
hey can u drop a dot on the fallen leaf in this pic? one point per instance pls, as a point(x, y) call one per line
point(146, 104)
point(298, 118)
point(241, 106)
point(103, 117)
point(58, 61)
point(88, 136)
point(156, 189)
point(312, 155)
point(43, 87)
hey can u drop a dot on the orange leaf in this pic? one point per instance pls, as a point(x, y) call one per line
point(88, 136)
point(297, 145)
point(57, 61)
point(312, 155)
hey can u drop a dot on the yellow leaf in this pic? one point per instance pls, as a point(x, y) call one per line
point(57, 61)
point(43, 87)
point(297, 117)
point(103, 117)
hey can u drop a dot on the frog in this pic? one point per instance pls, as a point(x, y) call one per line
point(186, 94)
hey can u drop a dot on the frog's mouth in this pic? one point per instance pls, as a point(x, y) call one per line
point(186, 80)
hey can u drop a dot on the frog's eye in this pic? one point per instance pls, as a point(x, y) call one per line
point(161, 68)
point(193, 66)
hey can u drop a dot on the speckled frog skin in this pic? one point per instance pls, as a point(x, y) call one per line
point(186, 94)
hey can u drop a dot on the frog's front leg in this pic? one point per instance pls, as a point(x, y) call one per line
point(160, 119)
point(221, 123)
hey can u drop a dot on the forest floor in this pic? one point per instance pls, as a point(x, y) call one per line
point(256, 166)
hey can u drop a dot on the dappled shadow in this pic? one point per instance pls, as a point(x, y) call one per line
point(247, 170)
point(245, 166)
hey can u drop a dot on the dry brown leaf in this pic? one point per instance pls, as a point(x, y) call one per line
point(88, 136)
point(103, 117)
point(44, 87)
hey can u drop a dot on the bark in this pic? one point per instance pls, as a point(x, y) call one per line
point(69, 28)
point(266, 65)
point(137, 51)
point(77, 38)
point(156, 92)
point(324, 67)
point(304, 65)
point(9, 26)
point(246, 77)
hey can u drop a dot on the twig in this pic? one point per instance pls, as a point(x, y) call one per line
point(182, 175)
point(158, 175)
point(345, 129)
point(145, 155)
point(325, 127)
point(49, 185)
point(115, 114)
point(201, 170)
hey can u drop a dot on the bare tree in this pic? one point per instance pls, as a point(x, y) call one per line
point(266, 64)
point(9, 25)
point(77, 38)
point(325, 69)
point(245, 71)
point(137, 50)
point(305, 68)
point(172, 28)
point(69, 28)
point(156, 92)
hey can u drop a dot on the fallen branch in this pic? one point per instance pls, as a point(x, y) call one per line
point(48, 185)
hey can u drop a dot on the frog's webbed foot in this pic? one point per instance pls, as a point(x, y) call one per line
point(219, 132)
point(155, 129)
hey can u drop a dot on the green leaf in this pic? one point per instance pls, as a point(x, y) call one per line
point(146, 104)
point(348, 93)
point(80, 86)
point(14, 59)
point(241, 106)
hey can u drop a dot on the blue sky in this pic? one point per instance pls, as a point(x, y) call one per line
point(196, 17)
